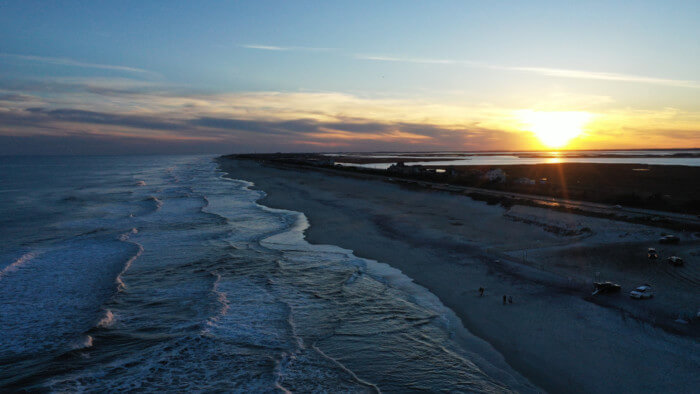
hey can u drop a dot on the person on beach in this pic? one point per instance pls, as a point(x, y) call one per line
point(481, 291)
point(510, 299)
point(504, 299)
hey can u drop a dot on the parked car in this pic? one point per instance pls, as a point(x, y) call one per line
point(669, 239)
point(605, 287)
point(642, 292)
point(675, 260)
point(651, 253)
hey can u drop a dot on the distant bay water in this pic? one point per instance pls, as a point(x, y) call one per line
point(643, 157)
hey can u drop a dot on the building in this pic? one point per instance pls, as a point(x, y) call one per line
point(497, 175)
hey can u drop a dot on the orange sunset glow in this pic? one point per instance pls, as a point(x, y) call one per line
point(522, 85)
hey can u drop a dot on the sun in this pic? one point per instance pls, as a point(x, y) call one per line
point(555, 129)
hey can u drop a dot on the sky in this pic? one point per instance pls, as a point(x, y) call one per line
point(123, 77)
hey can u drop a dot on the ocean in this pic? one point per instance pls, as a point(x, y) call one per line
point(155, 273)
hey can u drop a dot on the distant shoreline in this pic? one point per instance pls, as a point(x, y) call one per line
point(664, 196)
point(362, 157)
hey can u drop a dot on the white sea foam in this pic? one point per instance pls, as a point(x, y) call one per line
point(17, 264)
point(222, 299)
point(158, 203)
point(82, 343)
point(125, 236)
point(121, 286)
point(107, 320)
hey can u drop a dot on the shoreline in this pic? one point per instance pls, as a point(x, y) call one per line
point(474, 348)
point(550, 334)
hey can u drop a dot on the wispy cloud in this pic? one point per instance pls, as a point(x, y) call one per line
point(605, 76)
point(285, 48)
point(226, 122)
point(545, 71)
point(265, 47)
point(26, 131)
point(551, 72)
point(404, 60)
point(110, 116)
point(60, 61)
point(418, 60)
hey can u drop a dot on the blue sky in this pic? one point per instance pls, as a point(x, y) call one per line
point(466, 67)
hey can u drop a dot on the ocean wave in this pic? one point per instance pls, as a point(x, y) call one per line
point(125, 236)
point(107, 320)
point(44, 308)
point(221, 298)
point(17, 264)
point(156, 202)
point(121, 286)
point(83, 343)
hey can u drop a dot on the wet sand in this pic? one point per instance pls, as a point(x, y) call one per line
point(554, 332)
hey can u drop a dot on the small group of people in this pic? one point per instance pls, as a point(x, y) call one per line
point(509, 299)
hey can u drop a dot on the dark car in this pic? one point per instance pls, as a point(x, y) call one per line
point(669, 239)
point(651, 253)
point(675, 260)
point(605, 287)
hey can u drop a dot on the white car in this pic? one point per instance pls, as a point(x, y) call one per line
point(642, 292)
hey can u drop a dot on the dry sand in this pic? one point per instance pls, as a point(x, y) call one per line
point(554, 333)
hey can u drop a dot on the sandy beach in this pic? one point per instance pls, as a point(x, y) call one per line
point(554, 333)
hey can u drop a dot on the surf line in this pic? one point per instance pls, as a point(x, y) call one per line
point(121, 286)
point(19, 263)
